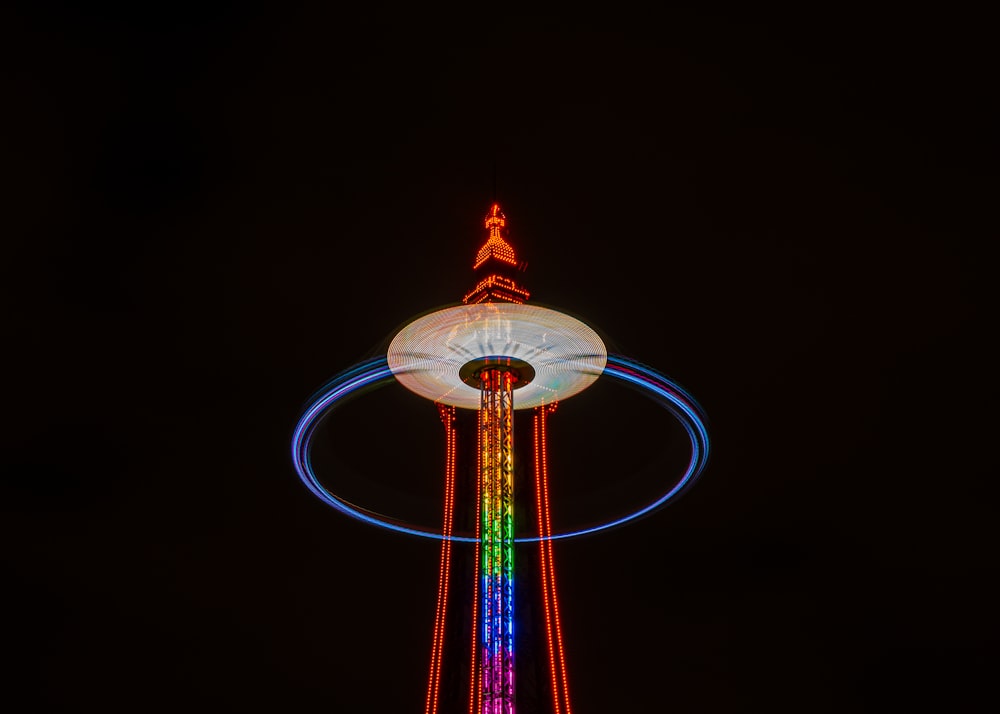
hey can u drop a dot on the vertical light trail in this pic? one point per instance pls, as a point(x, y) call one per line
point(475, 690)
point(497, 477)
point(539, 508)
point(444, 574)
point(557, 660)
point(551, 560)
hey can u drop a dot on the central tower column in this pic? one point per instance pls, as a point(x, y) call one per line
point(496, 452)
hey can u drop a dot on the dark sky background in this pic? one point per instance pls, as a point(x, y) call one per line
point(211, 209)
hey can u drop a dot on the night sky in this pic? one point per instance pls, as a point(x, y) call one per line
point(211, 209)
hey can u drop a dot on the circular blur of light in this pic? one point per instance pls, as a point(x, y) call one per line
point(427, 355)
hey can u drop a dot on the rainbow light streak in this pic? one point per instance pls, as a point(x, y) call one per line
point(497, 512)
point(375, 372)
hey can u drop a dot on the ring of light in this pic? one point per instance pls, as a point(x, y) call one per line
point(428, 355)
point(376, 372)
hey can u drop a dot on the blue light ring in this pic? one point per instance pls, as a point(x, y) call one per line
point(375, 372)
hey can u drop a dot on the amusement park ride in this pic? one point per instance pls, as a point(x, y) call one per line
point(480, 362)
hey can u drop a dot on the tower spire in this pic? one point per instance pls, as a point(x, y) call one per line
point(496, 265)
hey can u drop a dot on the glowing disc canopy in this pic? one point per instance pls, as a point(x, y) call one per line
point(428, 355)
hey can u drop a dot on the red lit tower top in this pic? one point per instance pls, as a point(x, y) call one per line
point(496, 266)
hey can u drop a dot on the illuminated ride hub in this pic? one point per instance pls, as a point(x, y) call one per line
point(494, 355)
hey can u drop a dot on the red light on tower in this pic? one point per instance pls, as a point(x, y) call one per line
point(495, 246)
point(496, 266)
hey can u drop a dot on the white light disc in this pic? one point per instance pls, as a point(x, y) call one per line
point(427, 354)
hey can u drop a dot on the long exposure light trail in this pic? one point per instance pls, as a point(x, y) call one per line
point(375, 372)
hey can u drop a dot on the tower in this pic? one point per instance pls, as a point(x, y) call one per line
point(490, 485)
point(479, 362)
point(496, 378)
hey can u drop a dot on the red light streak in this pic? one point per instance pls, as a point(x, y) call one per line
point(444, 575)
point(496, 286)
point(495, 246)
point(474, 689)
point(557, 659)
point(542, 556)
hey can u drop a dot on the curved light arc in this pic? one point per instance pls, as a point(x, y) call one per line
point(376, 372)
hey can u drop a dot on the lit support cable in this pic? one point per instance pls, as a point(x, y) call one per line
point(553, 626)
point(550, 561)
point(447, 414)
point(539, 416)
point(497, 513)
point(475, 691)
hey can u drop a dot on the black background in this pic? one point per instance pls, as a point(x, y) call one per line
point(211, 209)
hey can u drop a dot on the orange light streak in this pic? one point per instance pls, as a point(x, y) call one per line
point(552, 576)
point(474, 689)
point(548, 562)
point(542, 555)
point(444, 575)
